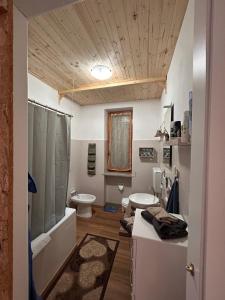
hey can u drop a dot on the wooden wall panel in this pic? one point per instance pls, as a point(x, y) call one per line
point(6, 149)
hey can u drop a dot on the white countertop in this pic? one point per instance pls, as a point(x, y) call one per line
point(142, 229)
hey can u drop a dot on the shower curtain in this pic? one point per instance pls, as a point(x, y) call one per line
point(49, 161)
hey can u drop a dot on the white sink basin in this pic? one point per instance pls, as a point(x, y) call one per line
point(84, 198)
point(143, 200)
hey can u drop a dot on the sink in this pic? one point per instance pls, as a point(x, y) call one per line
point(143, 200)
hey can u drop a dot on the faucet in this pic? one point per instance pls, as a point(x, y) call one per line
point(73, 193)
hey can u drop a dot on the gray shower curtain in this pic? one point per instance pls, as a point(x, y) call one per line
point(49, 161)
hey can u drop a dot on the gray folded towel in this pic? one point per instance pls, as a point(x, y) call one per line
point(162, 215)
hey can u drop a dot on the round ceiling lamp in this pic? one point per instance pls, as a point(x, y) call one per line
point(101, 72)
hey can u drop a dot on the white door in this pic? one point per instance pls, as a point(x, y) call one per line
point(198, 151)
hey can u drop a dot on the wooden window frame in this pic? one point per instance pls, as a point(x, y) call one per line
point(109, 142)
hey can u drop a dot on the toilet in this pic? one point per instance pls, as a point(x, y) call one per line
point(83, 203)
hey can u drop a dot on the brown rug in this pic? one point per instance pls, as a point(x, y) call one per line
point(86, 275)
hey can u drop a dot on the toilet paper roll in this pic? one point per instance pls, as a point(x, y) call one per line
point(120, 187)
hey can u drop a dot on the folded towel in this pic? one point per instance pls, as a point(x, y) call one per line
point(161, 214)
point(91, 164)
point(91, 158)
point(173, 201)
point(127, 224)
point(167, 227)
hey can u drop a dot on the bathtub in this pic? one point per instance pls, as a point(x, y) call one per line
point(51, 249)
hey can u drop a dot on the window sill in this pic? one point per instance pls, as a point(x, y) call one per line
point(119, 174)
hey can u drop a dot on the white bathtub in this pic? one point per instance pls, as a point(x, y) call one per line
point(52, 249)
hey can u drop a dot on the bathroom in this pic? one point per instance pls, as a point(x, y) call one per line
point(90, 125)
point(111, 136)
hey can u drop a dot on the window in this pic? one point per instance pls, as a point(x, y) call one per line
point(120, 141)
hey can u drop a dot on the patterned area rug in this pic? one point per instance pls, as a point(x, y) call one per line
point(86, 275)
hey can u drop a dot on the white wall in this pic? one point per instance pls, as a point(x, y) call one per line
point(20, 153)
point(180, 75)
point(43, 93)
point(145, 119)
point(179, 84)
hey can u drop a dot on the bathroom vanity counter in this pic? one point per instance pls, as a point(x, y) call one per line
point(158, 265)
point(142, 229)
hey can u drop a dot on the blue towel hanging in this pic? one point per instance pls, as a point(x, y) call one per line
point(173, 201)
point(31, 185)
point(32, 291)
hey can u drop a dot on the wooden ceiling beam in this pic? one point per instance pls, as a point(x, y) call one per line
point(161, 80)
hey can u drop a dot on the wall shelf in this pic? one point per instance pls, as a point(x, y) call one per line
point(118, 174)
point(176, 142)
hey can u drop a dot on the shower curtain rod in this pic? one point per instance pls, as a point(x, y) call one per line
point(49, 108)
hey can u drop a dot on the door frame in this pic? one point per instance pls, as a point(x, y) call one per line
point(205, 16)
point(203, 79)
point(6, 150)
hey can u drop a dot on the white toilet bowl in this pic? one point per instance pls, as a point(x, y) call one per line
point(83, 203)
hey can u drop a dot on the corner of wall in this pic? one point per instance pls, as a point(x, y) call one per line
point(20, 198)
point(179, 84)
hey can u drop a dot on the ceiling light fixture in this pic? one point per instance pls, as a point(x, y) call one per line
point(101, 72)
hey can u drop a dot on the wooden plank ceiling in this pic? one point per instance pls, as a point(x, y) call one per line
point(135, 38)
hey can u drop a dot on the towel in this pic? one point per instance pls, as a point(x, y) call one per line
point(91, 165)
point(166, 225)
point(32, 291)
point(161, 215)
point(173, 201)
point(31, 185)
point(127, 224)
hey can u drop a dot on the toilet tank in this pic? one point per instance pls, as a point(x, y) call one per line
point(157, 172)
